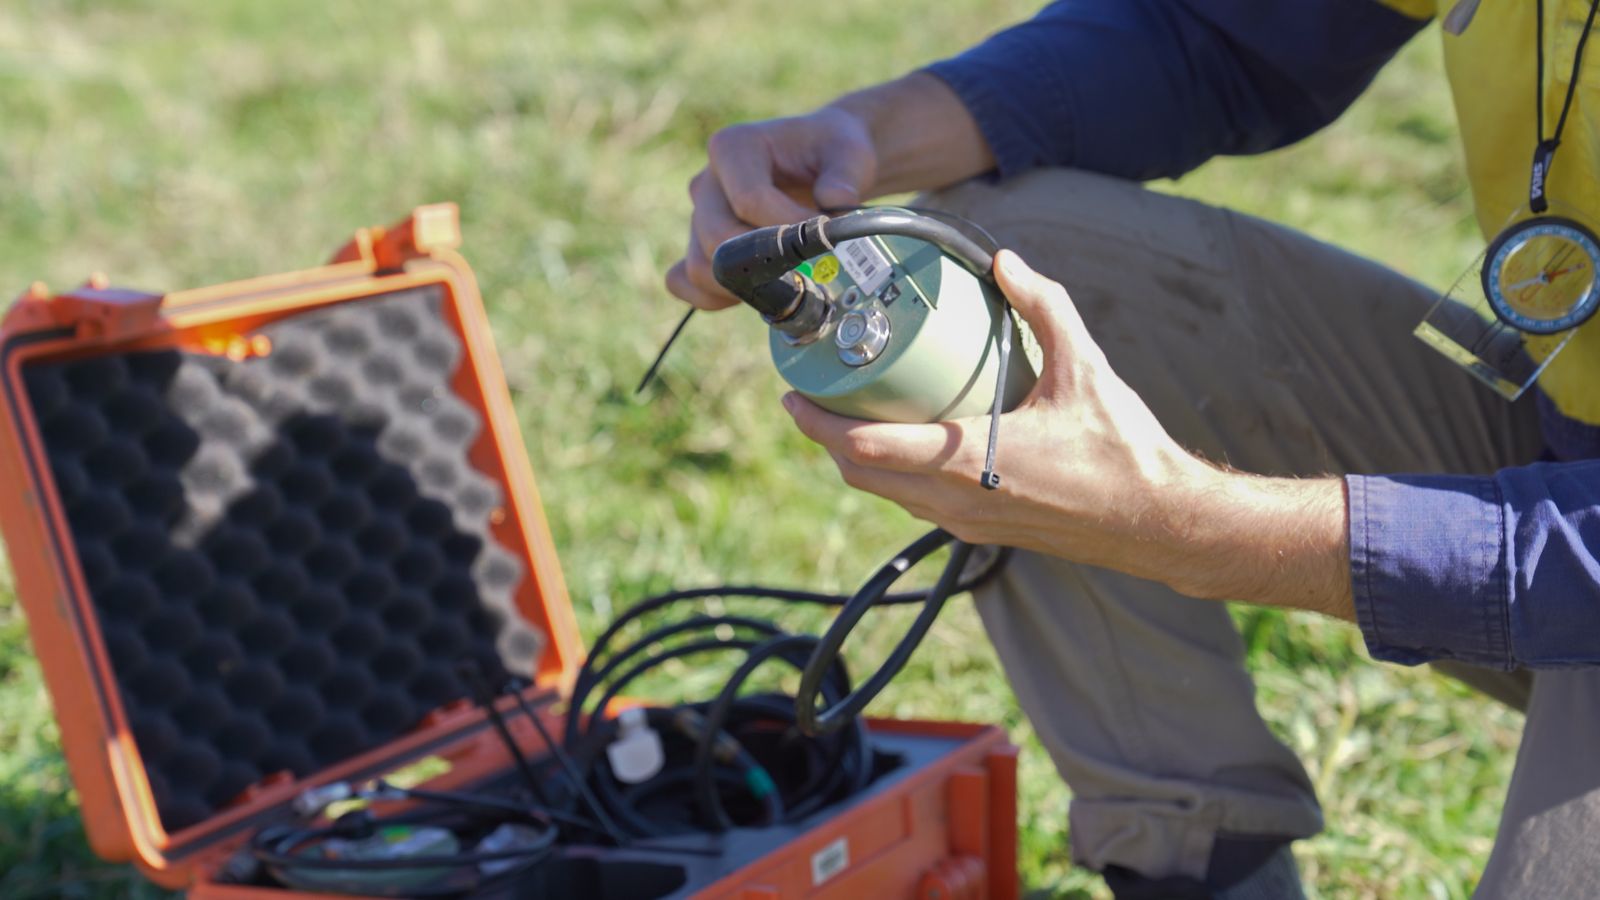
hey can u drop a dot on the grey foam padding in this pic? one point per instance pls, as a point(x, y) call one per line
point(288, 555)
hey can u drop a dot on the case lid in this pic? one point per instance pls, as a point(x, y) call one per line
point(259, 527)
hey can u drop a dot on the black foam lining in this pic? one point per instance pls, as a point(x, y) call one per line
point(288, 555)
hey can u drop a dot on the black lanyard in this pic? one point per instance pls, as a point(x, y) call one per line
point(1545, 150)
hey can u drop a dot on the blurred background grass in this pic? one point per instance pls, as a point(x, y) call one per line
point(173, 144)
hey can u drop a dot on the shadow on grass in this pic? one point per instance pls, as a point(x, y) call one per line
point(44, 853)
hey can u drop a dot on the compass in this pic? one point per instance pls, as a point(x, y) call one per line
point(1539, 275)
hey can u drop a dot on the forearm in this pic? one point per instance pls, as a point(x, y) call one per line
point(1268, 541)
point(1152, 88)
point(923, 135)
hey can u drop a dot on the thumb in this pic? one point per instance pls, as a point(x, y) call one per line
point(1041, 302)
point(844, 179)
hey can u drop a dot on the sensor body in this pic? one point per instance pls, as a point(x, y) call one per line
point(911, 336)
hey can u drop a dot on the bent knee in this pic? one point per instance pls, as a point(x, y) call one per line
point(1080, 227)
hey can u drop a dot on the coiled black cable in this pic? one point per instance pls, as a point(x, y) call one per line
point(793, 649)
point(286, 851)
point(723, 737)
point(721, 750)
point(839, 759)
point(872, 594)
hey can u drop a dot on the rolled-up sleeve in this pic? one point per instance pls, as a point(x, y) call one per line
point(1153, 88)
point(1500, 571)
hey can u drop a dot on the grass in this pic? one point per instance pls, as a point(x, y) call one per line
point(175, 144)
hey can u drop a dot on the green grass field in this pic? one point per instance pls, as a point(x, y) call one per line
point(177, 144)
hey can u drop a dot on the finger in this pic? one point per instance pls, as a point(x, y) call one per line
point(938, 447)
point(743, 165)
point(698, 271)
point(908, 490)
point(915, 494)
point(845, 175)
point(1041, 302)
point(713, 220)
point(679, 285)
point(691, 279)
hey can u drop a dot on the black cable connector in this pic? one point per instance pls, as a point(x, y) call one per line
point(484, 696)
point(574, 777)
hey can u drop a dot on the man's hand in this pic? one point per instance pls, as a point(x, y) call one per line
point(1086, 469)
point(909, 134)
point(769, 173)
point(1088, 474)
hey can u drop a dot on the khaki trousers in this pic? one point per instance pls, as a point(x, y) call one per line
point(1261, 347)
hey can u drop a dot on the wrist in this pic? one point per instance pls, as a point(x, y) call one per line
point(1189, 502)
point(921, 133)
point(1197, 532)
point(1270, 541)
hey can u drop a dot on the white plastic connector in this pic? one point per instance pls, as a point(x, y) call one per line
point(315, 800)
point(636, 755)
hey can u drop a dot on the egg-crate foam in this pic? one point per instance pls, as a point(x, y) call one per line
point(288, 555)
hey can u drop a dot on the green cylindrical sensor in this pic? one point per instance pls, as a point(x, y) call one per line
point(911, 335)
point(886, 314)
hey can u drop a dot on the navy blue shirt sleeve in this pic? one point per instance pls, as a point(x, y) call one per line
point(1500, 571)
point(1153, 88)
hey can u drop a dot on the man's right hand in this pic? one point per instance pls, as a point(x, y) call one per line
point(770, 173)
point(910, 134)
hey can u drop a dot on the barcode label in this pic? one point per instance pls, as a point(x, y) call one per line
point(830, 861)
point(867, 265)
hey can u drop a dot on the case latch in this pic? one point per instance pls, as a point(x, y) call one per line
point(101, 313)
point(426, 231)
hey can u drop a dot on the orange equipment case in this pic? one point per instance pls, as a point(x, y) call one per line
point(250, 525)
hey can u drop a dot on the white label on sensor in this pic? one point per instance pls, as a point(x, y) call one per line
point(867, 265)
point(830, 860)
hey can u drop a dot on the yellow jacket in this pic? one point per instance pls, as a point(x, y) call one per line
point(1491, 71)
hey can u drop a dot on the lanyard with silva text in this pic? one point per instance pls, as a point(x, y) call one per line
point(1539, 274)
